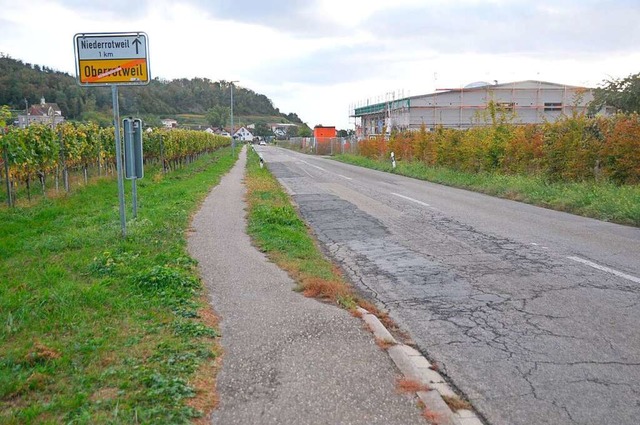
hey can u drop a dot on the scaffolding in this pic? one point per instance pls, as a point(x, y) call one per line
point(529, 101)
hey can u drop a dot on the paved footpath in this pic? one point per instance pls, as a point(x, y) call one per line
point(287, 359)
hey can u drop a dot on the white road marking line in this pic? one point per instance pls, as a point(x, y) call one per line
point(605, 269)
point(314, 166)
point(322, 169)
point(411, 199)
point(536, 244)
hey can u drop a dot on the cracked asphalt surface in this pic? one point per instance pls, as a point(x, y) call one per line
point(498, 293)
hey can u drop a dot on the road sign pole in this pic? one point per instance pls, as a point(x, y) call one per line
point(134, 194)
point(116, 121)
point(112, 59)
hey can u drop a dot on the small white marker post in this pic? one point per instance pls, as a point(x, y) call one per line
point(393, 160)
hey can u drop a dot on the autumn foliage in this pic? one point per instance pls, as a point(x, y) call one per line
point(574, 148)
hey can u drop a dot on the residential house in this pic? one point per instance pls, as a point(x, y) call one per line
point(217, 131)
point(169, 123)
point(243, 134)
point(281, 130)
point(42, 113)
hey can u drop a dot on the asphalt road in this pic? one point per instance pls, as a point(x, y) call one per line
point(533, 314)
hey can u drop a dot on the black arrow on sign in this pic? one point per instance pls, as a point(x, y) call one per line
point(137, 43)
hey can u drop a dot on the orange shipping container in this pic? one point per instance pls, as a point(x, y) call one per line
point(320, 132)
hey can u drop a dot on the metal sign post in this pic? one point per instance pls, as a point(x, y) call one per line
point(133, 157)
point(116, 123)
point(113, 59)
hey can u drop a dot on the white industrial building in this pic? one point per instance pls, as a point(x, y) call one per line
point(528, 101)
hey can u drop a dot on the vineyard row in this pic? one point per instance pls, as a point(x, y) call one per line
point(39, 151)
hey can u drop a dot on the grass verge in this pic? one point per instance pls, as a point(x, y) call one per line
point(95, 328)
point(602, 201)
point(277, 230)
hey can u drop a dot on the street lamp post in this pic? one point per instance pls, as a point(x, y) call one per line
point(233, 130)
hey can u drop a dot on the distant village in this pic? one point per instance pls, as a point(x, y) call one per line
point(527, 101)
point(50, 114)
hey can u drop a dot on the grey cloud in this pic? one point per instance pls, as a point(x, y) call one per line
point(288, 16)
point(532, 28)
point(340, 64)
point(108, 9)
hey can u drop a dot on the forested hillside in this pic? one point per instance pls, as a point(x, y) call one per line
point(23, 81)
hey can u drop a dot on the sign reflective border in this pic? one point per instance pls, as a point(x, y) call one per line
point(112, 58)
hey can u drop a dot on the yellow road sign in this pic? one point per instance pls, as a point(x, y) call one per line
point(112, 58)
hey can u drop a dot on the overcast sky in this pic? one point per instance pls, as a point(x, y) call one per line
point(319, 58)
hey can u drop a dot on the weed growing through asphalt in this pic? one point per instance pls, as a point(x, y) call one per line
point(98, 329)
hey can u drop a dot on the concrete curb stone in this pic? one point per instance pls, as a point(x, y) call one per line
point(415, 366)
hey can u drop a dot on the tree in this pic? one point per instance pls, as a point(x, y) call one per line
point(22, 81)
point(292, 131)
point(305, 131)
point(262, 130)
point(622, 94)
point(217, 116)
point(346, 133)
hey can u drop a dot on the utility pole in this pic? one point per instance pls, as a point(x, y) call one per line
point(233, 129)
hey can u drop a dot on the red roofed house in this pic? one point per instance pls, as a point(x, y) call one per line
point(43, 113)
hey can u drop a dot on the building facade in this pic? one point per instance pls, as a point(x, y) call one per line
point(43, 113)
point(243, 134)
point(525, 101)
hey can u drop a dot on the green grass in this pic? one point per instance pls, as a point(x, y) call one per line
point(603, 201)
point(95, 328)
point(276, 228)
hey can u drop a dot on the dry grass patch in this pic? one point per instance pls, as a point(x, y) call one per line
point(41, 354)
point(384, 344)
point(315, 287)
point(382, 316)
point(431, 416)
point(204, 380)
point(106, 393)
point(456, 403)
point(204, 384)
point(356, 313)
point(406, 385)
